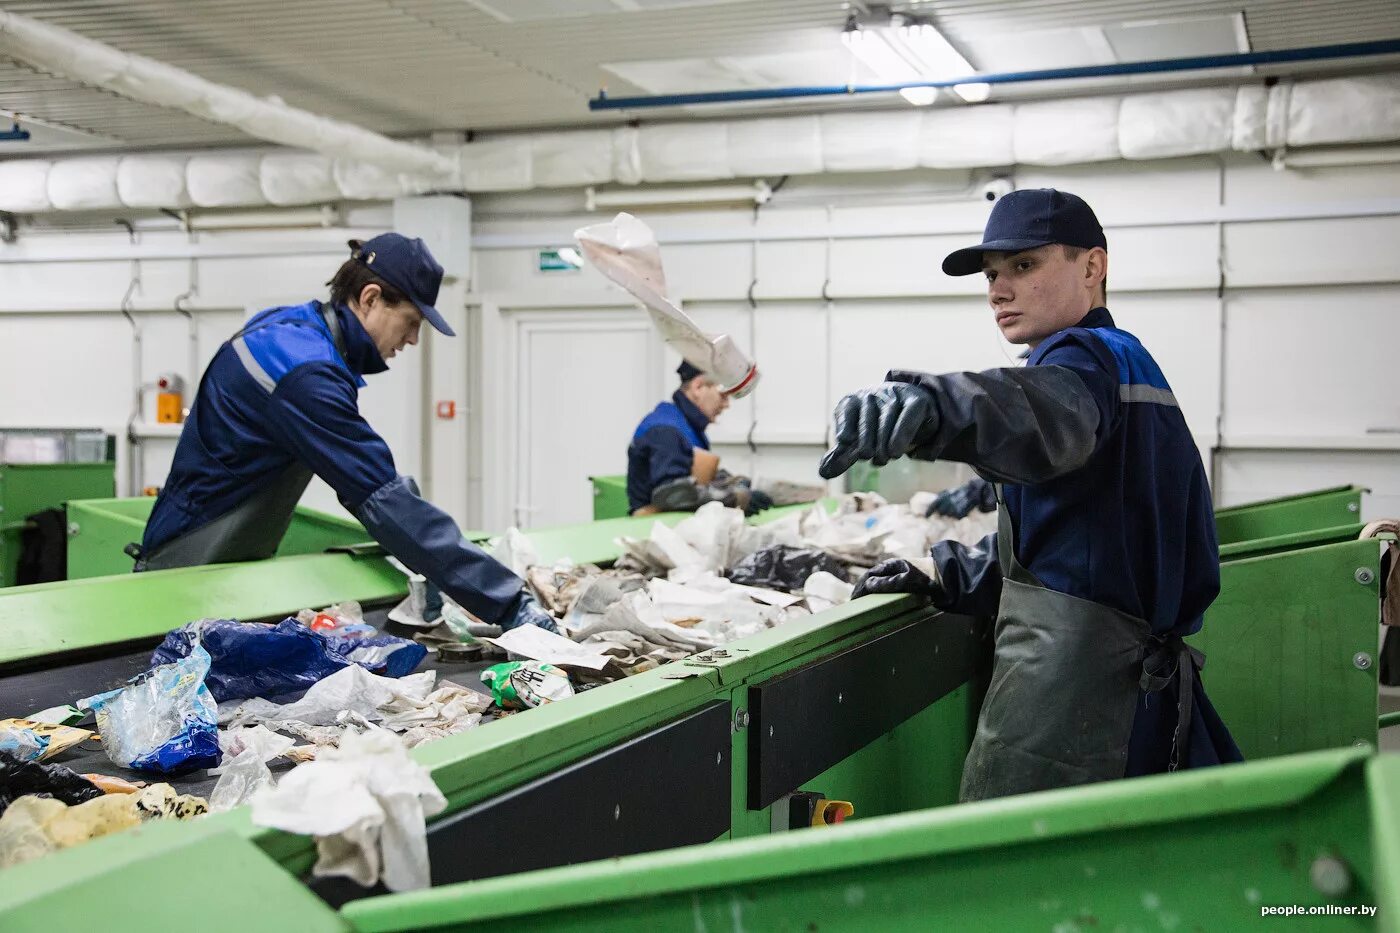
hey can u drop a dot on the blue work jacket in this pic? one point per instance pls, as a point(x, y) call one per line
point(663, 447)
point(302, 405)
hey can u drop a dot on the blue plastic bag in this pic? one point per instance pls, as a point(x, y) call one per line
point(273, 661)
point(163, 720)
point(386, 655)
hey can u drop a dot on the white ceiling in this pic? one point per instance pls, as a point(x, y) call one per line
point(408, 67)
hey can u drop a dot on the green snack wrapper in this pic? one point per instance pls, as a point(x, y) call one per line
point(526, 684)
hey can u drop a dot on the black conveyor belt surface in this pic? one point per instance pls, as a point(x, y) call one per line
point(23, 694)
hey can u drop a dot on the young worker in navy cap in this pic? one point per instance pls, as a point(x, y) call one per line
point(280, 401)
point(669, 464)
point(1105, 554)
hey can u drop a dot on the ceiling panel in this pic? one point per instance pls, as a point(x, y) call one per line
point(408, 67)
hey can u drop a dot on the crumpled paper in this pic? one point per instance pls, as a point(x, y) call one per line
point(413, 705)
point(366, 803)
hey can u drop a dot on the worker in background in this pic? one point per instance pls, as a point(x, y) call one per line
point(669, 464)
point(1105, 554)
point(280, 401)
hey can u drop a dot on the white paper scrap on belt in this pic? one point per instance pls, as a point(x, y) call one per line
point(529, 641)
point(626, 251)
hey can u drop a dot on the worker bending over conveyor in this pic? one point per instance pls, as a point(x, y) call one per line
point(280, 401)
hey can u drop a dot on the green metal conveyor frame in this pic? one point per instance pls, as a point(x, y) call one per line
point(721, 703)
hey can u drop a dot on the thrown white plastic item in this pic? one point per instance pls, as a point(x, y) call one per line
point(625, 250)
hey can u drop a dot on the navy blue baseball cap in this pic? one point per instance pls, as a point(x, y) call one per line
point(1028, 219)
point(687, 371)
point(409, 267)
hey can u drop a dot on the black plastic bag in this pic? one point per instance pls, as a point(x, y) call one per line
point(19, 778)
point(786, 568)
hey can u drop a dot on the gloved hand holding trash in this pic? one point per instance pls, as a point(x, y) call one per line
point(625, 250)
point(530, 612)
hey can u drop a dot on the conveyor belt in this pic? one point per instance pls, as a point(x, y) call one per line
point(23, 694)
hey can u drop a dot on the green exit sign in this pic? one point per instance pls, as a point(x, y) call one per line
point(562, 259)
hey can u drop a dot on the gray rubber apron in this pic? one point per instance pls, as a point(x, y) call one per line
point(253, 529)
point(1064, 688)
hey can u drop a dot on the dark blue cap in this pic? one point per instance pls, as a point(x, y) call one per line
point(409, 267)
point(688, 372)
point(1027, 219)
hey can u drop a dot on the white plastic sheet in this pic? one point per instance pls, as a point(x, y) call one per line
point(367, 804)
point(626, 251)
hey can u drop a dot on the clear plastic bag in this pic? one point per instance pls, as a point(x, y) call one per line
point(24, 744)
point(164, 720)
point(245, 770)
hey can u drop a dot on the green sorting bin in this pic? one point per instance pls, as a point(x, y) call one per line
point(26, 488)
point(1268, 518)
point(100, 529)
point(609, 497)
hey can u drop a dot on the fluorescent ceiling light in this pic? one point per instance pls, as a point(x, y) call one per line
point(912, 52)
point(920, 96)
point(973, 93)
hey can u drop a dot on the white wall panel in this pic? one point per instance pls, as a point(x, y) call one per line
point(267, 283)
point(572, 423)
point(790, 269)
point(1182, 332)
point(1253, 181)
point(71, 370)
point(1334, 251)
point(708, 271)
point(898, 266)
point(1134, 192)
point(791, 349)
point(936, 335)
point(1311, 361)
point(1180, 256)
point(89, 285)
point(1250, 475)
point(516, 272)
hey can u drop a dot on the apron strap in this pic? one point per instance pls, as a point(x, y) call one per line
point(1172, 659)
point(337, 336)
point(1011, 568)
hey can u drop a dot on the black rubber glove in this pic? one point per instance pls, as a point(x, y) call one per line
point(758, 501)
point(976, 493)
point(530, 613)
point(896, 576)
point(879, 424)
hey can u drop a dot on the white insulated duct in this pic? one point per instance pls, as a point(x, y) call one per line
point(65, 53)
point(1154, 125)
